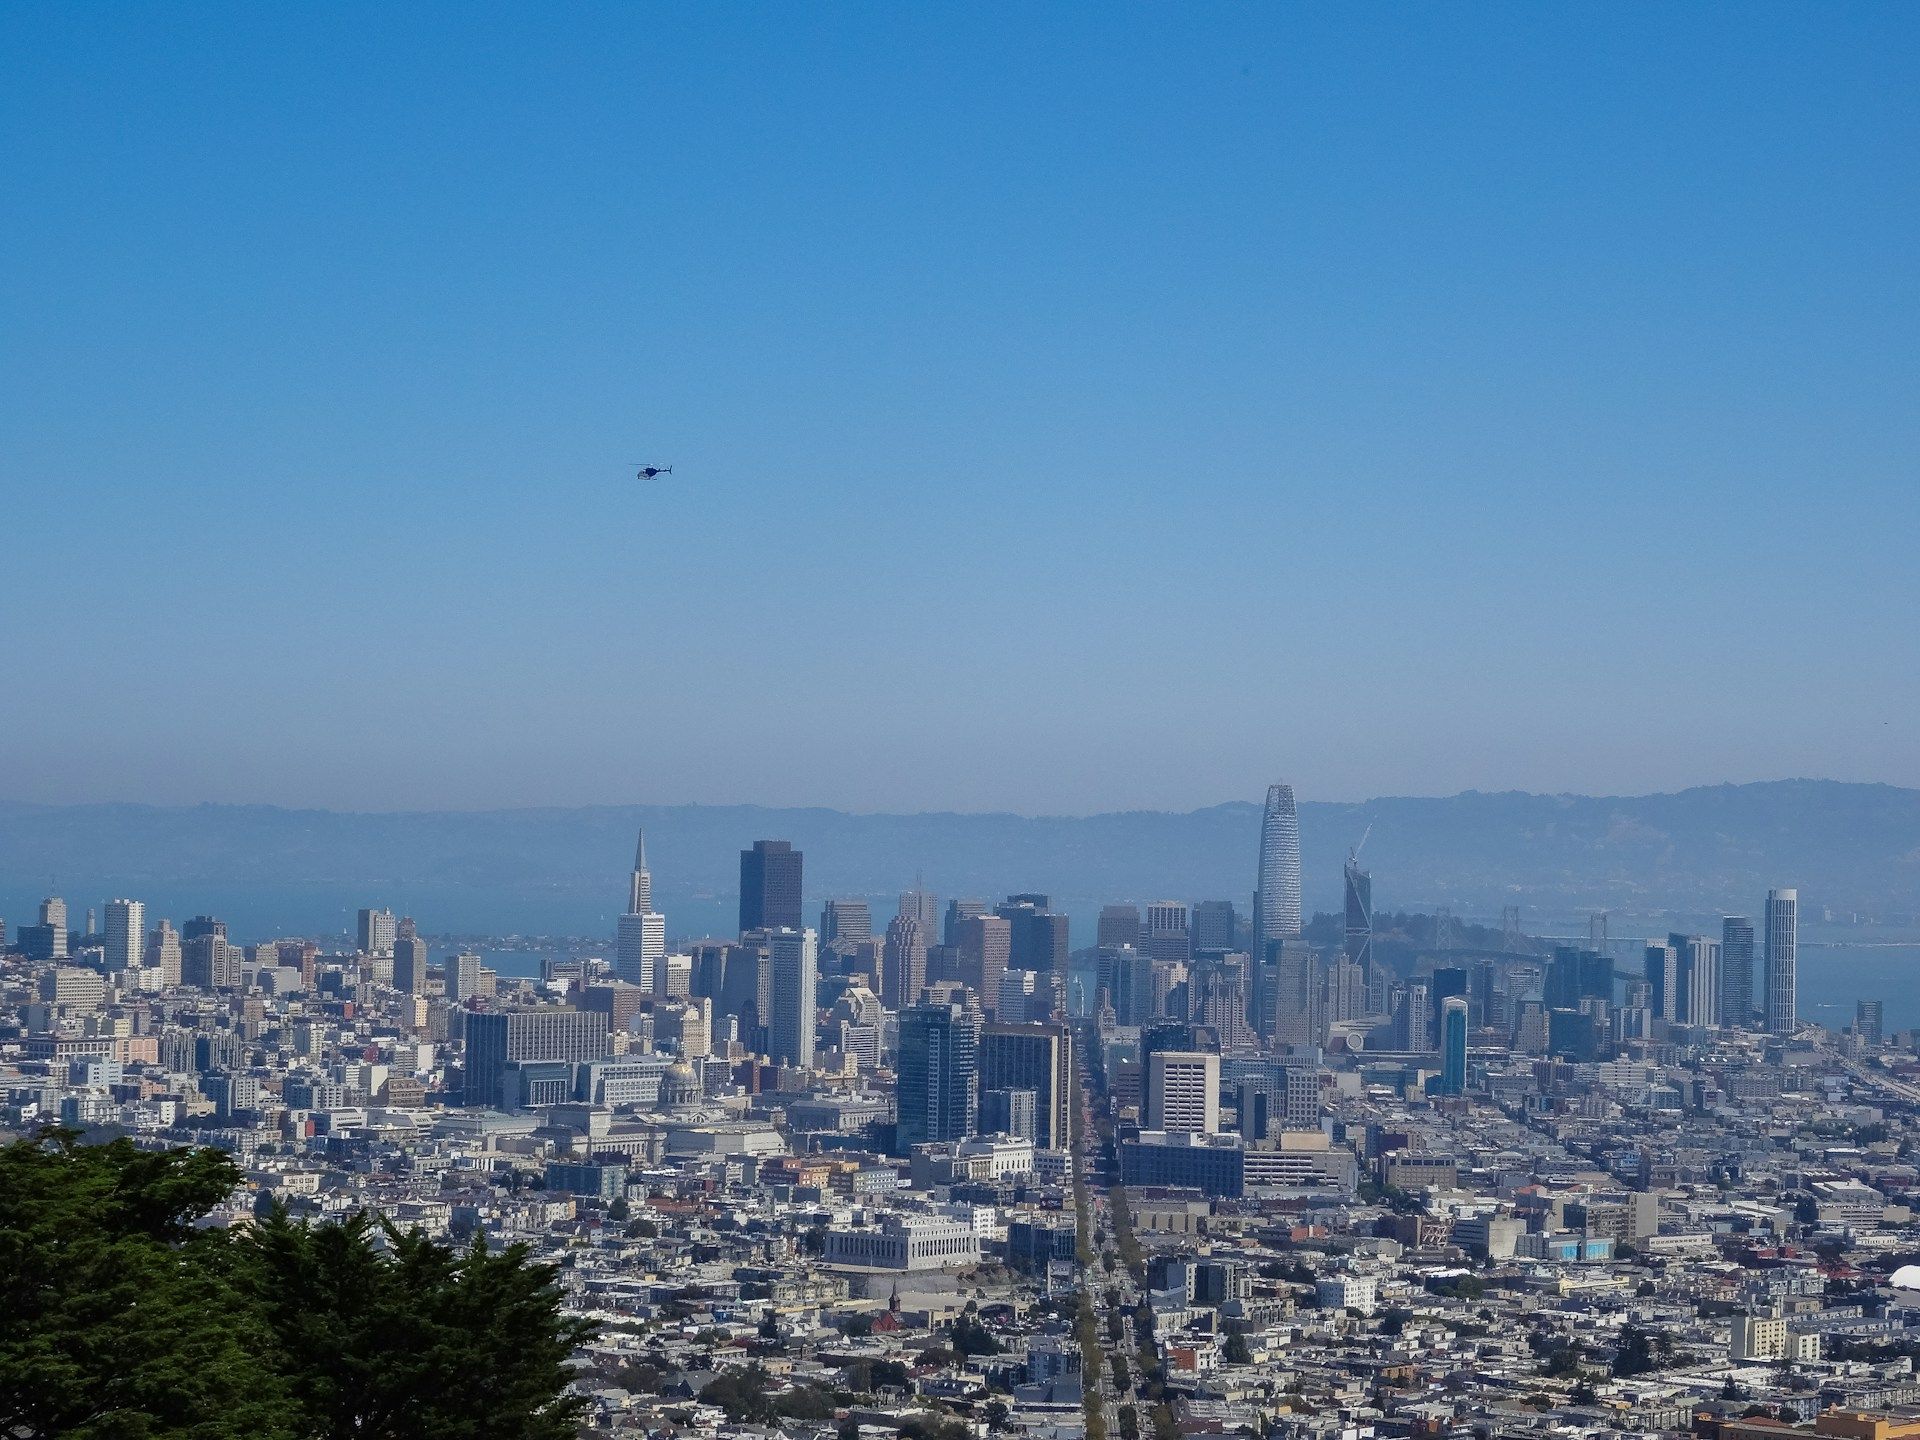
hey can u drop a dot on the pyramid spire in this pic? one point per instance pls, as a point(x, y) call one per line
point(640, 891)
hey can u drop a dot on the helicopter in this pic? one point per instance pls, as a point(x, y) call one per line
point(648, 472)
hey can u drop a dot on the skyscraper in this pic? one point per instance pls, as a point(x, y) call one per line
point(1214, 926)
point(1292, 1004)
point(903, 962)
point(48, 939)
point(1736, 971)
point(938, 1090)
point(1167, 934)
point(163, 952)
point(463, 978)
point(1869, 1020)
point(640, 935)
point(1346, 990)
point(126, 934)
point(1036, 937)
point(1217, 998)
point(1129, 983)
point(770, 886)
point(409, 961)
point(639, 945)
point(1783, 958)
point(1118, 925)
point(377, 931)
point(1359, 934)
point(924, 906)
point(844, 925)
point(986, 948)
point(1035, 1057)
point(1276, 902)
point(1453, 1046)
point(640, 883)
point(1663, 979)
point(207, 962)
point(1699, 979)
point(958, 910)
point(1448, 981)
point(793, 959)
point(502, 1042)
point(1183, 1092)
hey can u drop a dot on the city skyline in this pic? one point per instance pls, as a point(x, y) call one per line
point(869, 722)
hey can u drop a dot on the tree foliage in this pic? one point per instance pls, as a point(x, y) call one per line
point(747, 1394)
point(120, 1320)
point(116, 1317)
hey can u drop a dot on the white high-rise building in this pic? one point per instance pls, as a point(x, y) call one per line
point(53, 915)
point(1183, 1091)
point(163, 953)
point(377, 931)
point(1700, 972)
point(126, 935)
point(793, 956)
point(639, 947)
point(1783, 958)
point(1276, 903)
point(640, 935)
point(463, 977)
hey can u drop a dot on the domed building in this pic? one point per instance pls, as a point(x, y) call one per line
point(679, 1087)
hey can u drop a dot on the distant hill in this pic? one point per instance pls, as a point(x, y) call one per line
point(270, 870)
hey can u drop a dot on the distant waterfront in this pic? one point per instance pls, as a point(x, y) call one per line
point(1838, 965)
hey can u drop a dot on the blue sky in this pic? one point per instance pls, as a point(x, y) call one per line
point(1073, 407)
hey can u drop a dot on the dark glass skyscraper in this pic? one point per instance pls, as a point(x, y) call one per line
point(1032, 1057)
point(1359, 915)
point(1453, 1046)
point(1448, 982)
point(1037, 938)
point(938, 1090)
point(770, 887)
point(1736, 971)
point(1214, 924)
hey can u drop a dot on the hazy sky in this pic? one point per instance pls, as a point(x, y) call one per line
point(1072, 407)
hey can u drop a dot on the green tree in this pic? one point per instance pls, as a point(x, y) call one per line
point(1563, 1362)
point(421, 1342)
point(744, 1392)
point(932, 1427)
point(1640, 1351)
point(971, 1337)
point(117, 1317)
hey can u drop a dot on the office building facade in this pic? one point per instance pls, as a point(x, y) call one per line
point(937, 1094)
point(793, 962)
point(770, 886)
point(1033, 1056)
point(1276, 900)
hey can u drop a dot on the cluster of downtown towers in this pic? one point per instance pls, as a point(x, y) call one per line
point(979, 993)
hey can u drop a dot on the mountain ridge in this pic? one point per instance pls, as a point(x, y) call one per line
point(1851, 845)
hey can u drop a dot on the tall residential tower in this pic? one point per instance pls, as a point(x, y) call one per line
point(1783, 956)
